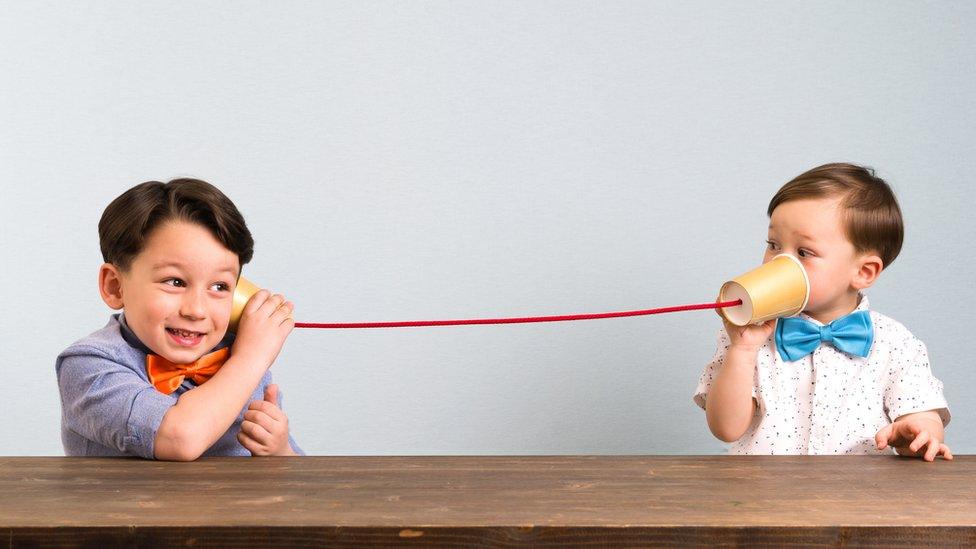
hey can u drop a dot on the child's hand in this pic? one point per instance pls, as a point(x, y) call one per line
point(264, 325)
point(264, 431)
point(915, 435)
point(749, 337)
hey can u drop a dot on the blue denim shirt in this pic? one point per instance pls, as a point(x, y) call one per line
point(108, 405)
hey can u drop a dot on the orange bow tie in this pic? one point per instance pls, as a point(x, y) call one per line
point(166, 376)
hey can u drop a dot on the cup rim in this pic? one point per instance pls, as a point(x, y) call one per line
point(806, 278)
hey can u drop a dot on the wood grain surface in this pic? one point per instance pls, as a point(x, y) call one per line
point(596, 501)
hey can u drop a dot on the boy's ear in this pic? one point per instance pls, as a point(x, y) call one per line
point(110, 285)
point(869, 268)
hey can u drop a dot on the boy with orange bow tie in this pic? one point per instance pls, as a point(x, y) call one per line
point(840, 378)
point(164, 379)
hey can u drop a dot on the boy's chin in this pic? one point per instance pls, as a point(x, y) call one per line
point(183, 356)
point(187, 355)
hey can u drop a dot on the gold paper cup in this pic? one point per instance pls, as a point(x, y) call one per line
point(242, 294)
point(777, 288)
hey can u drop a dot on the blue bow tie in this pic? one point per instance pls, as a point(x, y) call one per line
point(797, 337)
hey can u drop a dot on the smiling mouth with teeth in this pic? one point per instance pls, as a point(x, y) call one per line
point(184, 333)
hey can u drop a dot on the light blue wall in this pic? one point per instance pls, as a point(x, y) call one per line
point(462, 159)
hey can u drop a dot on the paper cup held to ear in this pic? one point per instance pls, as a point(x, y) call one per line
point(777, 288)
point(242, 294)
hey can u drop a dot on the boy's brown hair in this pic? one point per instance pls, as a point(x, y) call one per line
point(128, 220)
point(873, 221)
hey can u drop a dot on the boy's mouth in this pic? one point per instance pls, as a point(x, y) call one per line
point(185, 338)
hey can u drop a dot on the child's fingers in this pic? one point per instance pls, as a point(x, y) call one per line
point(283, 313)
point(256, 301)
point(921, 439)
point(265, 305)
point(270, 306)
point(251, 445)
point(288, 322)
point(246, 441)
point(933, 449)
point(256, 432)
point(271, 393)
point(262, 419)
point(946, 452)
point(262, 405)
point(881, 439)
point(266, 407)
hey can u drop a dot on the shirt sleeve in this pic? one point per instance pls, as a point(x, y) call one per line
point(712, 368)
point(108, 403)
point(294, 445)
point(911, 386)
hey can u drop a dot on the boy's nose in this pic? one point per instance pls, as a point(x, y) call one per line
point(192, 305)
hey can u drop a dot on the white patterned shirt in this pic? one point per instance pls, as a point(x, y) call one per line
point(830, 402)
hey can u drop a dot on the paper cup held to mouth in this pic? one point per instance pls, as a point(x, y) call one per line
point(777, 288)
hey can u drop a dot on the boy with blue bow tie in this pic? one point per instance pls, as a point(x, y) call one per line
point(839, 378)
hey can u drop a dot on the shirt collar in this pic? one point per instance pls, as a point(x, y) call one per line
point(129, 336)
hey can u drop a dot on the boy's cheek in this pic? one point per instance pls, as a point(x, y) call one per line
point(220, 330)
point(815, 291)
point(221, 324)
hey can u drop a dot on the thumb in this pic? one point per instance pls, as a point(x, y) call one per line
point(271, 394)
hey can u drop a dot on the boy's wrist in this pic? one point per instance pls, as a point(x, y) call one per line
point(248, 363)
point(740, 359)
point(744, 350)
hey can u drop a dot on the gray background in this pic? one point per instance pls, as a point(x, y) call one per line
point(459, 159)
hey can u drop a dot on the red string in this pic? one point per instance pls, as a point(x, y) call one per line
point(517, 320)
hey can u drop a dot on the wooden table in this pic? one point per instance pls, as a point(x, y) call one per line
point(612, 501)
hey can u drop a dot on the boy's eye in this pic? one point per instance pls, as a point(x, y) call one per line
point(771, 244)
point(175, 282)
point(804, 253)
point(220, 287)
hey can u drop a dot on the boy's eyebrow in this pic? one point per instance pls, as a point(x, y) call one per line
point(164, 264)
point(804, 236)
point(230, 270)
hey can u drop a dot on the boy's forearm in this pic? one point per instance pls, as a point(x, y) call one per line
point(204, 413)
point(729, 406)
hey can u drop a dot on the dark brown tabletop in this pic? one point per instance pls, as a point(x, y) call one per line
point(612, 501)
